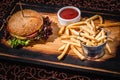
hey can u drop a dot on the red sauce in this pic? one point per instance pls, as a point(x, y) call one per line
point(69, 13)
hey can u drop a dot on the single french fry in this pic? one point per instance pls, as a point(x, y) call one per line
point(100, 42)
point(77, 53)
point(79, 49)
point(109, 39)
point(76, 24)
point(87, 36)
point(70, 42)
point(109, 24)
point(103, 32)
point(62, 47)
point(84, 40)
point(74, 32)
point(95, 17)
point(87, 30)
point(67, 32)
point(101, 38)
point(61, 31)
point(108, 48)
point(92, 24)
point(92, 18)
point(98, 35)
point(89, 25)
point(101, 19)
point(64, 52)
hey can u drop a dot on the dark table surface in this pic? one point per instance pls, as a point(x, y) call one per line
point(16, 70)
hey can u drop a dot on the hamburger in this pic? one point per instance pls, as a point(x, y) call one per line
point(25, 26)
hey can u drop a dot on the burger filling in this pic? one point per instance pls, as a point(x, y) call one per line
point(43, 34)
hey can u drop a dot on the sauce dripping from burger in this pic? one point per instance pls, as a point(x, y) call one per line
point(69, 13)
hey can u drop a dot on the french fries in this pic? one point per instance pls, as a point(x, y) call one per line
point(86, 32)
point(64, 52)
point(77, 53)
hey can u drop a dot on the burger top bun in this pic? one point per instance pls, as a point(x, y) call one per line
point(23, 26)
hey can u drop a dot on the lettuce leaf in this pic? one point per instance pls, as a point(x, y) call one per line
point(15, 42)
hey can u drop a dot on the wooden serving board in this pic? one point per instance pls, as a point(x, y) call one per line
point(47, 53)
point(54, 41)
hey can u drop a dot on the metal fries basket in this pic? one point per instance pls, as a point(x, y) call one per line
point(93, 52)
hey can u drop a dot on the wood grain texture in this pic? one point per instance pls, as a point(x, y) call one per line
point(8, 68)
point(54, 41)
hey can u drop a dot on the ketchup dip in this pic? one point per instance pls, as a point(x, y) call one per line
point(68, 15)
